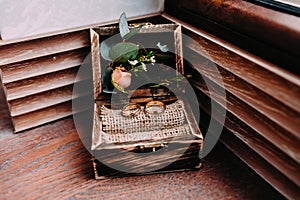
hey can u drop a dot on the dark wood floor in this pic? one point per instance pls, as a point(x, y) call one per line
point(50, 162)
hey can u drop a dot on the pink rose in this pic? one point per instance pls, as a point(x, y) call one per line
point(121, 78)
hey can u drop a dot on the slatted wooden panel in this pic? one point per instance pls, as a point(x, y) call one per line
point(262, 103)
point(38, 76)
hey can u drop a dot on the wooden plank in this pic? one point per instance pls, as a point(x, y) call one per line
point(279, 87)
point(269, 38)
point(39, 117)
point(41, 100)
point(278, 136)
point(282, 115)
point(17, 52)
point(50, 162)
point(251, 137)
point(252, 159)
point(262, 23)
point(96, 63)
point(39, 84)
point(44, 65)
point(260, 166)
point(273, 80)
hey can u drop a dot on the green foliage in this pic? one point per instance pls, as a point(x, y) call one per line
point(130, 56)
point(132, 32)
point(106, 80)
point(123, 25)
point(104, 49)
point(124, 51)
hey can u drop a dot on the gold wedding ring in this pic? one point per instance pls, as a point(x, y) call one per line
point(155, 107)
point(131, 110)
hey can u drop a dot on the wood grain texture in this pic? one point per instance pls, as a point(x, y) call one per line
point(260, 166)
point(96, 63)
point(50, 162)
point(42, 65)
point(281, 87)
point(41, 100)
point(39, 84)
point(262, 102)
point(252, 139)
point(252, 159)
point(17, 52)
point(267, 33)
point(43, 116)
point(254, 107)
point(38, 74)
point(262, 23)
point(188, 161)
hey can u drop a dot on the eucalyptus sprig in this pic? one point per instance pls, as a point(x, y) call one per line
point(123, 51)
point(125, 56)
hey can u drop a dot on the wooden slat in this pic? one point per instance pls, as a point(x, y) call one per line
point(272, 35)
point(280, 87)
point(250, 136)
point(39, 84)
point(17, 52)
point(264, 24)
point(261, 167)
point(262, 102)
point(40, 66)
point(40, 100)
point(252, 159)
point(42, 116)
point(282, 115)
point(276, 82)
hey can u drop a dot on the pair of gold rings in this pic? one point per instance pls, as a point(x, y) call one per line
point(151, 108)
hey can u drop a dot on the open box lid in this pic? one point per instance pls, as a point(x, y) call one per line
point(98, 34)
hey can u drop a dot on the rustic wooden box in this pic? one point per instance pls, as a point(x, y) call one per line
point(171, 148)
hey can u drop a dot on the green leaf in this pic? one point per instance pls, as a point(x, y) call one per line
point(104, 51)
point(106, 80)
point(132, 32)
point(122, 52)
point(149, 54)
point(123, 25)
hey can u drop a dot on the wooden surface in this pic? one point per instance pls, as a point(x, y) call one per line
point(255, 131)
point(38, 77)
point(268, 33)
point(50, 162)
point(261, 100)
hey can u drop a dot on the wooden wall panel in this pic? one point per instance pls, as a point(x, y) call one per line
point(250, 157)
point(44, 65)
point(40, 100)
point(39, 84)
point(250, 133)
point(271, 118)
point(43, 47)
point(262, 103)
point(265, 76)
point(264, 32)
point(42, 116)
point(38, 77)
